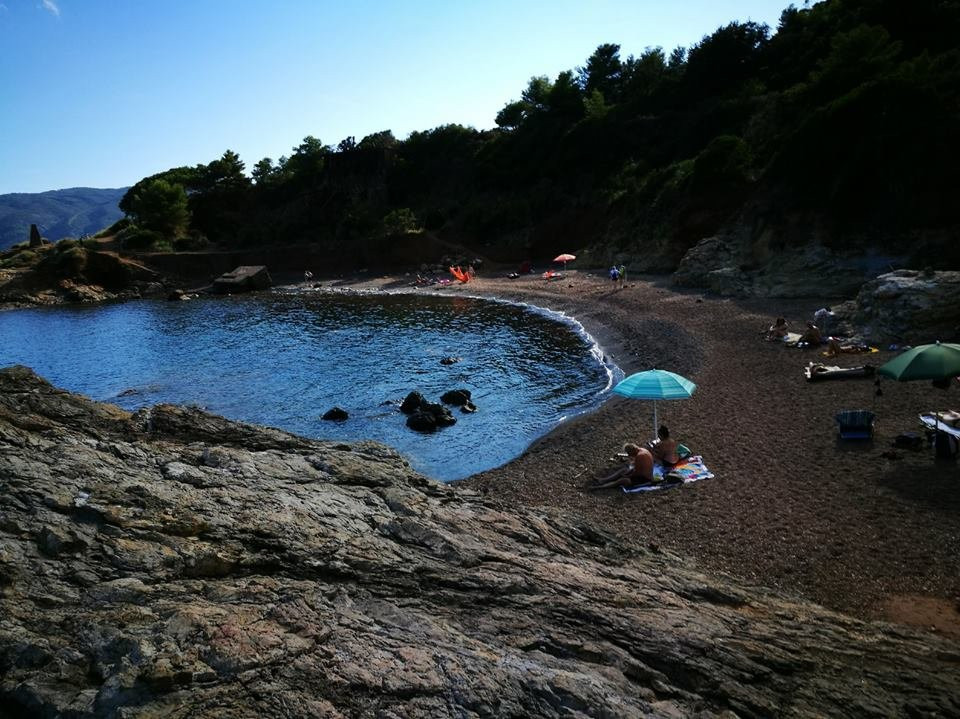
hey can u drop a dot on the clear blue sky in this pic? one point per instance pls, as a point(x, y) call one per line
point(101, 93)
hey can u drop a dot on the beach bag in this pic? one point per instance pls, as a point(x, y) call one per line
point(908, 440)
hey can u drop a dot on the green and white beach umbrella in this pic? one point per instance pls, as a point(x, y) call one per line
point(655, 384)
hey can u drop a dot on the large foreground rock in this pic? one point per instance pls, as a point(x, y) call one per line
point(172, 563)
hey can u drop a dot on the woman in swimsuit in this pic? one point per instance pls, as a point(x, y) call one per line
point(665, 448)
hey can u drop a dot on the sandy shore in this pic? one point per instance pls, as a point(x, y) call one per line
point(790, 508)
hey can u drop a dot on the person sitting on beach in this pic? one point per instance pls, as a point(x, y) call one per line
point(307, 275)
point(776, 331)
point(811, 335)
point(664, 450)
point(638, 471)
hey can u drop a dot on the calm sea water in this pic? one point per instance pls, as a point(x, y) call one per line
point(285, 358)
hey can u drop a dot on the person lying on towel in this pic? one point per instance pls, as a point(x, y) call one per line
point(638, 471)
point(835, 347)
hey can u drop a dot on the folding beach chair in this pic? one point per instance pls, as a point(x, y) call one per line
point(855, 424)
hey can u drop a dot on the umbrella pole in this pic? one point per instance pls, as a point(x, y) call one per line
point(655, 425)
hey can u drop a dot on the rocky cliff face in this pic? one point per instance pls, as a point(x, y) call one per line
point(172, 563)
point(906, 306)
point(746, 266)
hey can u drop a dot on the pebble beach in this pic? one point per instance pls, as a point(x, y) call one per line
point(791, 508)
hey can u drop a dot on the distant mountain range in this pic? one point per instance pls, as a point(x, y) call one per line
point(58, 213)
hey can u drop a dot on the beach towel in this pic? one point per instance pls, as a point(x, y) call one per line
point(691, 469)
point(851, 349)
point(815, 372)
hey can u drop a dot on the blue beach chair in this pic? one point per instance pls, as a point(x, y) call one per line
point(855, 424)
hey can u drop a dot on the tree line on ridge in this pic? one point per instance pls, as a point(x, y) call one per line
point(845, 119)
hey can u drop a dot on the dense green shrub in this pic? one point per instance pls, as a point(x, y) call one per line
point(724, 161)
point(401, 221)
point(135, 238)
point(23, 258)
point(65, 244)
point(191, 243)
point(70, 263)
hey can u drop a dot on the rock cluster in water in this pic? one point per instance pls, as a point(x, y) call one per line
point(426, 416)
point(171, 562)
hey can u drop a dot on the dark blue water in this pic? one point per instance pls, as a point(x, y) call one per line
point(285, 359)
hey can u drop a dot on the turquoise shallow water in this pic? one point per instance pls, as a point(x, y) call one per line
point(285, 358)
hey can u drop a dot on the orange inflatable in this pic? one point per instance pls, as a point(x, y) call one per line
point(460, 274)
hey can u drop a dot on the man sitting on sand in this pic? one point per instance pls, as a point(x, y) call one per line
point(639, 471)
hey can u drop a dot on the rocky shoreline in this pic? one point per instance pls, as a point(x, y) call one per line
point(171, 562)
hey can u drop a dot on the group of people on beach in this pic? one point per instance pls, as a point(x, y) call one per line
point(817, 333)
point(812, 336)
point(639, 470)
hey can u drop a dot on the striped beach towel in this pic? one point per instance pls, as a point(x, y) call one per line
point(690, 469)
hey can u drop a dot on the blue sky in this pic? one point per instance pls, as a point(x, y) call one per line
point(101, 93)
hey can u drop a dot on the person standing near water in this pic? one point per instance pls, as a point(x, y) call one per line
point(622, 272)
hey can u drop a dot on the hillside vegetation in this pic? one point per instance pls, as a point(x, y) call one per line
point(840, 127)
point(58, 213)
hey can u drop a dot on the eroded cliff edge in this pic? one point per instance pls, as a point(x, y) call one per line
point(174, 563)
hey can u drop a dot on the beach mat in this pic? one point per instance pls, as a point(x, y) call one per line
point(691, 469)
point(856, 350)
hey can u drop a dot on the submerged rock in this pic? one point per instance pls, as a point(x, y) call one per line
point(337, 414)
point(294, 577)
point(457, 397)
